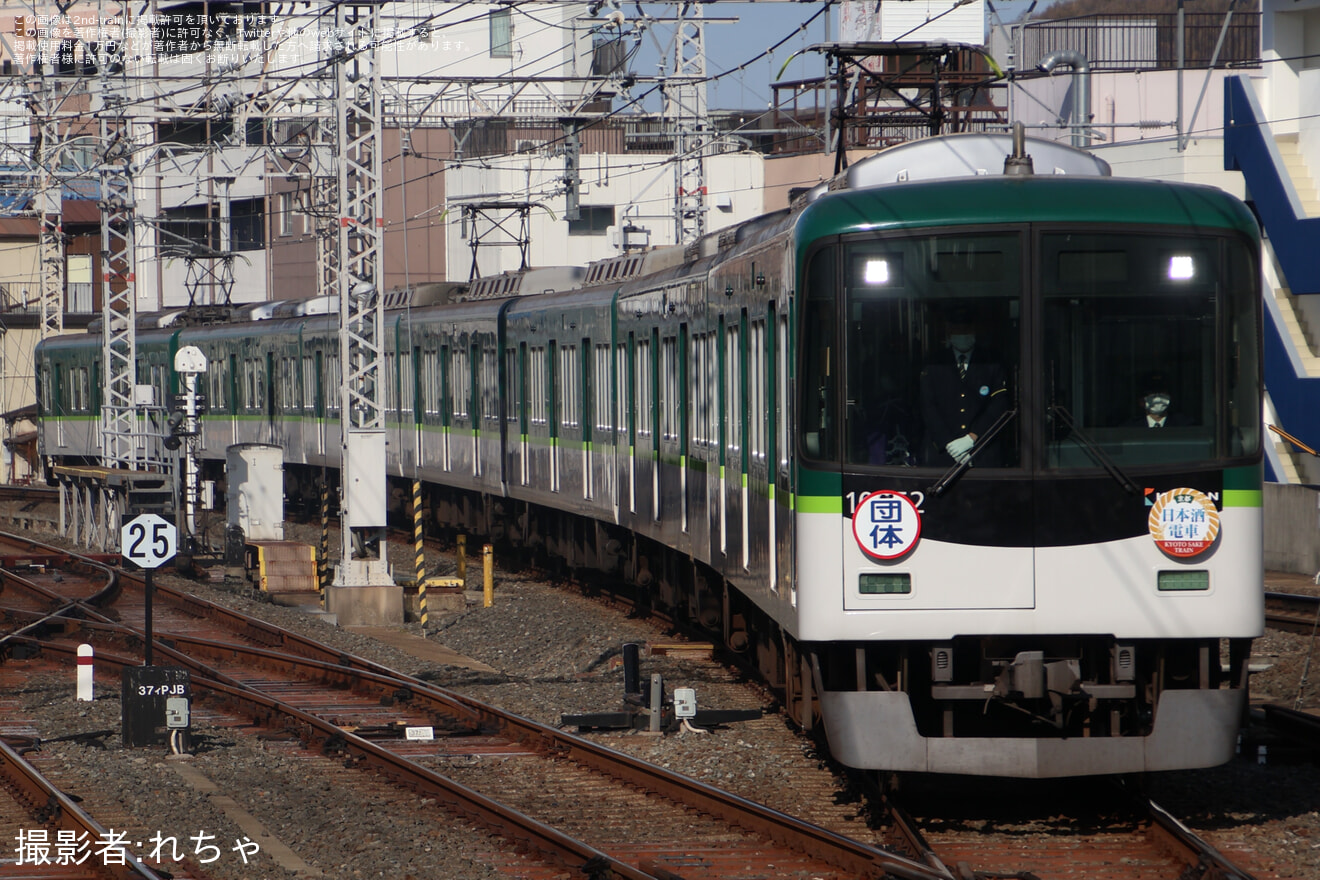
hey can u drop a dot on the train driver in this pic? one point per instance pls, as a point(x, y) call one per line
point(963, 393)
point(1156, 413)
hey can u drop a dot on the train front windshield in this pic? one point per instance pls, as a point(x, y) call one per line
point(1045, 349)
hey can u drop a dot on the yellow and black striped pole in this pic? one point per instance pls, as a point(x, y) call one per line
point(323, 560)
point(462, 559)
point(419, 550)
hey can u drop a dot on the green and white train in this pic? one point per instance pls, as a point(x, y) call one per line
point(745, 433)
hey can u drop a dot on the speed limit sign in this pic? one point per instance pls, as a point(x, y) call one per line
point(148, 540)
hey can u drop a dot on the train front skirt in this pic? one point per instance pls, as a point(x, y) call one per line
point(875, 730)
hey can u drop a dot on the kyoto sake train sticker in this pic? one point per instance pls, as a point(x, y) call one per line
point(1183, 522)
point(886, 525)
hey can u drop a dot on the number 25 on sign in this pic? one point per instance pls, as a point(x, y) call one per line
point(148, 541)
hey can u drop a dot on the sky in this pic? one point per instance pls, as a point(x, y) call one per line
point(755, 28)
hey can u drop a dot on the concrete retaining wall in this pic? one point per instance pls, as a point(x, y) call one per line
point(1292, 528)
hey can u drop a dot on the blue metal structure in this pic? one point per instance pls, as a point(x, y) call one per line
point(1250, 148)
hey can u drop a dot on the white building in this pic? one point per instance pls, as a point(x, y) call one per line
point(484, 202)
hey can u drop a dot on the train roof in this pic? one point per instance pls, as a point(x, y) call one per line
point(1020, 199)
point(959, 155)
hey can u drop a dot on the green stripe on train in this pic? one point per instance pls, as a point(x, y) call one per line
point(1243, 498)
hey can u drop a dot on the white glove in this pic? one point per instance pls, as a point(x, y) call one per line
point(961, 448)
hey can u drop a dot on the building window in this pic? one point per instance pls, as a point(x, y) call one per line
point(194, 230)
point(78, 274)
point(247, 224)
point(501, 33)
point(592, 220)
point(286, 213)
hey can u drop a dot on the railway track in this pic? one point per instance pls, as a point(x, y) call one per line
point(356, 712)
point(52, 836)
point(531, 783)
point(1096, 829)
point(1293, 612)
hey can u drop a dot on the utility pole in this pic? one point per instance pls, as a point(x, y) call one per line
point(49, 204)
point(363, 591)
point(685, 113)
point(118, 257)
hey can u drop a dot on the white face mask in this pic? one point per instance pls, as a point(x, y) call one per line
point(1157, 404)
point(962, 343)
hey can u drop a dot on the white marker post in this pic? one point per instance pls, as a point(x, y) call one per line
point(85, 673)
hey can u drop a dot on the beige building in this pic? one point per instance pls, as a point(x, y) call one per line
point(20, 323)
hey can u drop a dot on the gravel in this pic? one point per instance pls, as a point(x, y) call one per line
point(557, 652)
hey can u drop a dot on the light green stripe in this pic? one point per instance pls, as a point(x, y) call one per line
point(820, 504)
point(1242, 498)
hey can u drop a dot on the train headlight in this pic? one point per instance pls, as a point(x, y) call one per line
point(1181, 267)
point(876, 272)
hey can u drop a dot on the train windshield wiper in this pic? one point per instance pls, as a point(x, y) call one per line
point(959, 468)
point(1096, 452)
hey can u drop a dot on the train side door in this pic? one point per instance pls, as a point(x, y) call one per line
point(474, 399)
point(320, 402)
point(735, 410)
point(56, 398)
point(759, 519)
point(235, 384)
point(446, 409)
point(627, 371)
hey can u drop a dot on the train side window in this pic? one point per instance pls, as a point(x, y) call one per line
point(475, 400)
point(512, 386)
point(158, 379)
point(756, 380)
point(818, 390)
point(260, 372)
point(623, 397)
point(643, 394)
point(266, 371)
point(460, 376)
point(215, 381)
point(669, 387)
point(736, 403)
point(48, 407)
point(490, 389)
point(333, 383)
point(405, 384)
point(391, 383)
point(536, 384)
point(289, 386)
point(308, 383)
point(61, 406)
point(569, 391)
point(431, 393)
point(81, 401)
point(697, 391)
point(781, 392)
point(233, 384)
point(602, 405)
